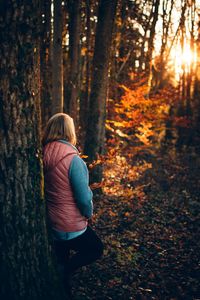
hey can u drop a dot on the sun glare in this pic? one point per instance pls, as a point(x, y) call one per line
point(183, 59)
point(187, 56)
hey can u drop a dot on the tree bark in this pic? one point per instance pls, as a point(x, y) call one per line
point(46, 64)
point(152, 34)
point(84, 103)
point(74, 58)
point(95, 133)
point(26, 269)
point(57, 58)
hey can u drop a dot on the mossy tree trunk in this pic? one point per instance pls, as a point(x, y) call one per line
point(26, 268)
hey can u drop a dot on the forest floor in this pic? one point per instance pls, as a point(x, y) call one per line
point(148, 219)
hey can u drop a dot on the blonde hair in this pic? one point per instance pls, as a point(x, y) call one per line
point(59, 126)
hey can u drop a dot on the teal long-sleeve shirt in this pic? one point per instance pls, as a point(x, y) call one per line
point(78, 175)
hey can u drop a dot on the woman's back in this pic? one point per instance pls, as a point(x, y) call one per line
point(62, 208)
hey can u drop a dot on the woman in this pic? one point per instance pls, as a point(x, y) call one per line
point(68, 196)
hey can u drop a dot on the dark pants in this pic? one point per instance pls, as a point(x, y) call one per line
point(88, 248)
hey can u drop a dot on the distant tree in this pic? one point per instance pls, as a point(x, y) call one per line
point(57, 58)
point(158, 69)
point(126, 40)
point(86, 76)
point(95, 133)
point(26, 269)
point(166, 23)
point(197, 83)
point(152, 31)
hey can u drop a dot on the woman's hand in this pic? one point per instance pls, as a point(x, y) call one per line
point(96, 185)
point(92, 220)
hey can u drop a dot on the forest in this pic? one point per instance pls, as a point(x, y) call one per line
point(128, 73)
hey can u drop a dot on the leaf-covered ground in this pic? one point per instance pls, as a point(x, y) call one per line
point(148, 219)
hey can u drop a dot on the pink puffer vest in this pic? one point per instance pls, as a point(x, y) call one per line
point(63, 212)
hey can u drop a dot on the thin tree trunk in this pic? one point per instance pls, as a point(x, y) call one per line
point(190, 109)
point(122, 31)
point(152, 34)
point(74, 58)
point(166, 25)
point(142, 60)
point(57, 59)
point(88, 45)
point(26, 270)
point(149, 67)
point(66, 65)
point(197, 82)
point(46, 66)
point(85, 72)
point(95, 134)
point(165, 31)
point(84, 105)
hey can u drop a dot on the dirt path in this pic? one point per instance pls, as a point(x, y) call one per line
point(151, 238)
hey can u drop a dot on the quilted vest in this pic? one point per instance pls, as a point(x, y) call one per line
point(63, 213)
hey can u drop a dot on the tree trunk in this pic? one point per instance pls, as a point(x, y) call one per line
point(57, 59)
point(148, 64)
point(122, 53)
point(142, 58)
point(152, 34)
point(95, 133)
point(46, 66)
point(74, 58)
point(166, 22)
point(197, 88)
point(84, 103)
point(26, 269)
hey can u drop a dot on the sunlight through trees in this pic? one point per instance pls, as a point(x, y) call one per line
point(128, 72)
